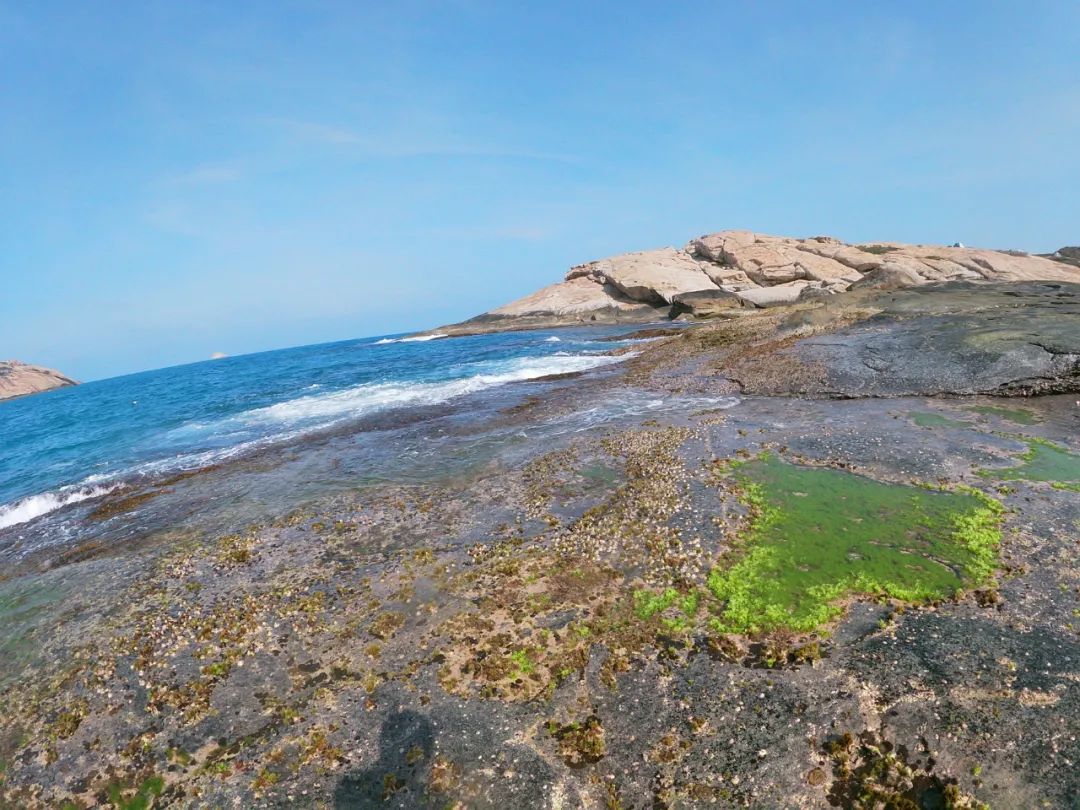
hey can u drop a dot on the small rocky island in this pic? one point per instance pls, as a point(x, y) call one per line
point(19, 379)
point(828, 555)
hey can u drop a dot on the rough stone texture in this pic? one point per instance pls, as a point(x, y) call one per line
point(1016, 338)
point(955, 338)
point(888, 277)
point(580, 300)
point(568, 298)
point(652, 277)
point(18, 379)
point(980, 693)
point(777, 295)
point(706, 303)
point(768, 260)
point(765, 270)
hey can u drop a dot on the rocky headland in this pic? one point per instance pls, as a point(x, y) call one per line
point(725, 274)
point(830, 558)
point(19, 379)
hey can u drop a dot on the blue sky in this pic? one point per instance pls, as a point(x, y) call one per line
point(183, 178)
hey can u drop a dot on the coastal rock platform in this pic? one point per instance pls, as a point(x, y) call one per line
point(816, 554)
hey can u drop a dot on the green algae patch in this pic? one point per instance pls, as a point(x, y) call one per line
point(935, 420)
point(1043, 461)
point(818, 536)
point(1020, 416)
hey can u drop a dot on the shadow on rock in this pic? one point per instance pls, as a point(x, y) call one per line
point(400, 777)
point(471, 762)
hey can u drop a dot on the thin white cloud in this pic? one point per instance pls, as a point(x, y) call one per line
point(409, 145)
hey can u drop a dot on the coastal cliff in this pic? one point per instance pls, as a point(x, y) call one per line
point(19, 379)
point(730, 272)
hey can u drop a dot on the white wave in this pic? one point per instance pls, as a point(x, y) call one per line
point(98, 484)
point(552, 339)
point(326, 409)
point(291, 419)
point(414, 339)
point(35, 506)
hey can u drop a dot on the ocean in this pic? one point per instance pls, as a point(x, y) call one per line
point(271, 430)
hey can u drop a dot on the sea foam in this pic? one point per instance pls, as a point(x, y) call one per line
point(414, 339)
point(35, 506)
point(361, 400)
point(245, 432)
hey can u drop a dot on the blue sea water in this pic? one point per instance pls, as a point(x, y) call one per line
point(77, 444)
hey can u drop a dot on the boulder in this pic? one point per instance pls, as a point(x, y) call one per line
point(720, 247)
point(767, 260)
point(777, 295)
point(651, 276)
point(705, 303)
point(813, 293)
point(889, 276)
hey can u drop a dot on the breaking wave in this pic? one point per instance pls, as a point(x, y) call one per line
point(202, 444)
point(37, 505)
point(361, 400)
point(414, 339)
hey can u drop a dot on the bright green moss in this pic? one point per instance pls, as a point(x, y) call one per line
point(1043, 461)
point(522, 661)
point(139, 799)
point(819, 535)
point(689, 604)
point(648, 604)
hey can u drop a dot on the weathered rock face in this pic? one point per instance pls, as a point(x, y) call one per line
point(18, 379)
point(888, 277)
point(706, 303)
point(577, 296)
point(579, 300)
point(760, 271)
point(957, 338)
point(652, 277)
point(770, 260)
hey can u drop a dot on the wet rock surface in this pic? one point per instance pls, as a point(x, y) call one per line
point(543, 630)
point(1029, 345)
point(958, 338)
